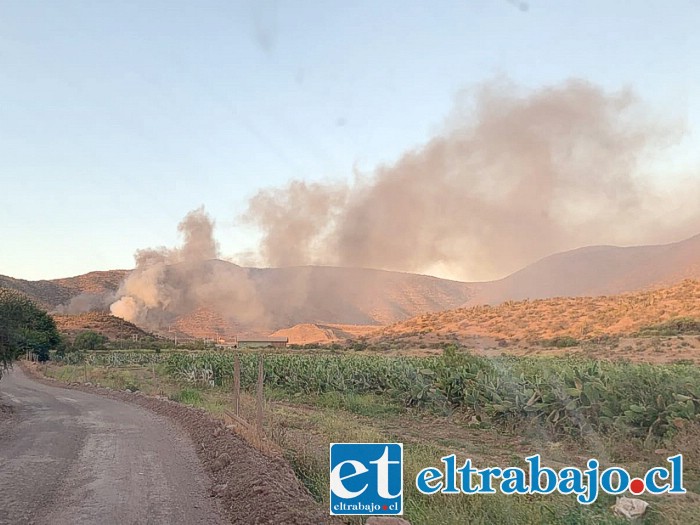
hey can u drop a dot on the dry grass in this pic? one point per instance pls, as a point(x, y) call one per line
point(100, 322)
point(582, 318)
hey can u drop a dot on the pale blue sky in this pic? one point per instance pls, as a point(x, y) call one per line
point(116, 118)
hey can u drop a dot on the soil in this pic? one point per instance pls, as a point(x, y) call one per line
point(251, 487)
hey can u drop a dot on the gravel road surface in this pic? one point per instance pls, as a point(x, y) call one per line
point(70, 458)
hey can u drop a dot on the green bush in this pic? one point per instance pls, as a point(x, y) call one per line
point(24, 327)
point(188, 396)
point(563, 341)
point(680, 326)
point(89, 341)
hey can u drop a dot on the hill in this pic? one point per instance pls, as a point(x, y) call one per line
point(108, 325)
point(46, 294)
point(58, 293)
point(285, 297)
point(542, 319)
point(230, 299)
point(596, 270)
point(318, 294)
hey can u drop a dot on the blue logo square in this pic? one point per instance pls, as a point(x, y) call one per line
point(366, 478)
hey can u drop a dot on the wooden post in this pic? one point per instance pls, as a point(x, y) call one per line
point(260, 398)
point(155, 377)
point(237, 384)
point(85, 371)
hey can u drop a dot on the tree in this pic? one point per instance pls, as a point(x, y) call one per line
point(89, 341)
point(24, 327)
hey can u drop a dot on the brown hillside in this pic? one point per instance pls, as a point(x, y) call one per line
point(579, 317)
point(203, 323)
point(287, 296)
point(93, 282)
point(597, 270)
point(323, 296)
point(102, 323)
point(55, 293)
point(319, 294)
point(45, 293)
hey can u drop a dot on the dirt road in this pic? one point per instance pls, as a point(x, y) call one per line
point(70, 457)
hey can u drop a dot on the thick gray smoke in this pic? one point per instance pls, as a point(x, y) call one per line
point(514, 178)
point(168, 282)
point(86, 302)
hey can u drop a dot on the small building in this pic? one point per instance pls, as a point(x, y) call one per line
point(262, 342)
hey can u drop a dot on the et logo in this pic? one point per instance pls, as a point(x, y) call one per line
point(366, 478)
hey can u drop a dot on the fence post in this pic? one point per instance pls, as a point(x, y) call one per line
point(260, 398)
point(236, 383)
point(155, 377)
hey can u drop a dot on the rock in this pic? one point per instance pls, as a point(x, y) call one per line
point(128, 390)
point(221, 461)
point(219, 490)
point(387, 520)
point(630, 508)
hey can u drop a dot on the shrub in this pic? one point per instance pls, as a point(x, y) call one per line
point(24, 327)
point(188, 396)
point(89, 341)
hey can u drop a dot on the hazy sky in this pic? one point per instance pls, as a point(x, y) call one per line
point(118, 117)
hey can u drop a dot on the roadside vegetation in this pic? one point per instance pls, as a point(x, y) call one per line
point(494, 410)
point(24, 327)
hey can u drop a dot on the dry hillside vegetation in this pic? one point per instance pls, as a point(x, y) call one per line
point(578, 317)
point(328, 295)
point(52, 294)
point(102, 323)
point(46, 294)
point(93, 282)
point(211, 297)
point(204, 322)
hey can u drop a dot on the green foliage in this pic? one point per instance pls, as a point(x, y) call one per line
point(24, 327)
point(89, 341)
point(565, 395)
point(113, 359)
point(359, 345)
point(680, 326)
point(563, 341)
point(189, 396)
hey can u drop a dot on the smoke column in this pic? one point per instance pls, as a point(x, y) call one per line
point(168, 282)
point(514, 177)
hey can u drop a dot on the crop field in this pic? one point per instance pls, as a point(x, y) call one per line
point(494, 410)
point(565, 396)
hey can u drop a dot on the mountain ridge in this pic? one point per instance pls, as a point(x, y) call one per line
point(324, 295)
